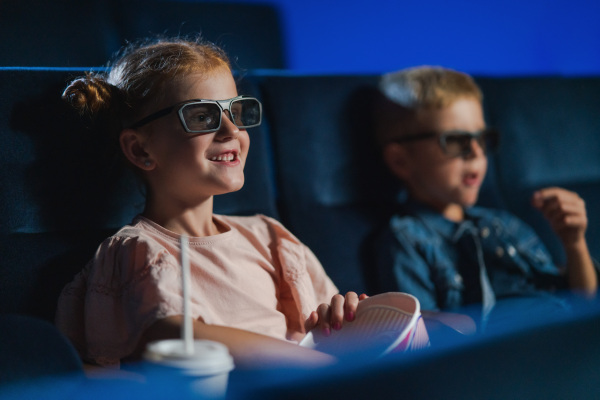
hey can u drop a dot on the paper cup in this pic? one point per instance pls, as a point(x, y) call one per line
point(207, 368)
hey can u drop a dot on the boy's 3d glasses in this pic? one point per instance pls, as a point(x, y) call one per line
point(457, 143)
point(204, 116)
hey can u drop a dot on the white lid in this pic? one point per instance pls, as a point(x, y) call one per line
point(208, 358)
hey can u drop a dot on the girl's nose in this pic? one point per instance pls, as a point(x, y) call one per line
point(228, 130)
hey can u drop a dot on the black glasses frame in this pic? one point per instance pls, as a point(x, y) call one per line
point(224, 105)
point(489, 137)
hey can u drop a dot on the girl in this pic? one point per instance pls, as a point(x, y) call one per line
point(173, 108)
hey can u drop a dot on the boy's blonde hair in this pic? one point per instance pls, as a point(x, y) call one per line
point(407, 91)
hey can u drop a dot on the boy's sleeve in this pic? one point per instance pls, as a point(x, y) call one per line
point(399, 267)
point(545, 273)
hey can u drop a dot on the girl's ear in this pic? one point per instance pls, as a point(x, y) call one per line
point(133, 147)
point(394, 156)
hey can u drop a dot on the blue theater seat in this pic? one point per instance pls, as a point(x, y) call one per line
point(66, 33)
point(33, 349)
point(549, 361)
point(61, 193)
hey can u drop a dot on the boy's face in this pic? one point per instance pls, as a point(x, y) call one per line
point(435, 178)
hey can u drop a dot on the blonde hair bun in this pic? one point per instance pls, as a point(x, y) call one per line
point(90, 94)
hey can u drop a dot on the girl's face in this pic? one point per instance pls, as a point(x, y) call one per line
point(188, 167)
point(447, 183)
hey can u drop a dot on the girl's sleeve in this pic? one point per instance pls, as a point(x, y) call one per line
point(325, 289)
point(131, 284)
point(303, 278)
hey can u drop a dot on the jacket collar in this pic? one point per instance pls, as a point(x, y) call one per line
point(436, 222)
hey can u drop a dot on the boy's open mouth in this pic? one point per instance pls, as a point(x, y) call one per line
point(471, 179)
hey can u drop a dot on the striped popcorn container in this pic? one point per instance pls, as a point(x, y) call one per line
point(385, 323)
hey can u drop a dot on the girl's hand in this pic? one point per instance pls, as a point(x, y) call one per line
point(565, 211)
point(331, 316)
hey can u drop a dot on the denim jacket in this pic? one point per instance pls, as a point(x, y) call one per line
point(422, 253)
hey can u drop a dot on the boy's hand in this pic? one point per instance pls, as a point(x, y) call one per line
point(331, 316)
point(565, 211)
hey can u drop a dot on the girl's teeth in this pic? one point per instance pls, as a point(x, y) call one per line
point(226, 157)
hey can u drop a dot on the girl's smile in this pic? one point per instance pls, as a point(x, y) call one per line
point(228, 157)
point(195, 167)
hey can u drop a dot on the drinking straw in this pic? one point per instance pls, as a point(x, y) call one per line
point(186, 328)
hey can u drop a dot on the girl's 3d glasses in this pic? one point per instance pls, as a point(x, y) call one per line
point(204, 116)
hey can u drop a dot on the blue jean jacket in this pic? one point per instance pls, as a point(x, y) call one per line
point(422, 253)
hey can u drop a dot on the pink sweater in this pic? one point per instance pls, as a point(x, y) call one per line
point(257, 277)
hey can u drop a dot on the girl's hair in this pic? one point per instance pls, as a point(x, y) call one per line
point(136, 79)
point(409, 90)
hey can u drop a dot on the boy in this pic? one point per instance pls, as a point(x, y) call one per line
point(439, 247)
